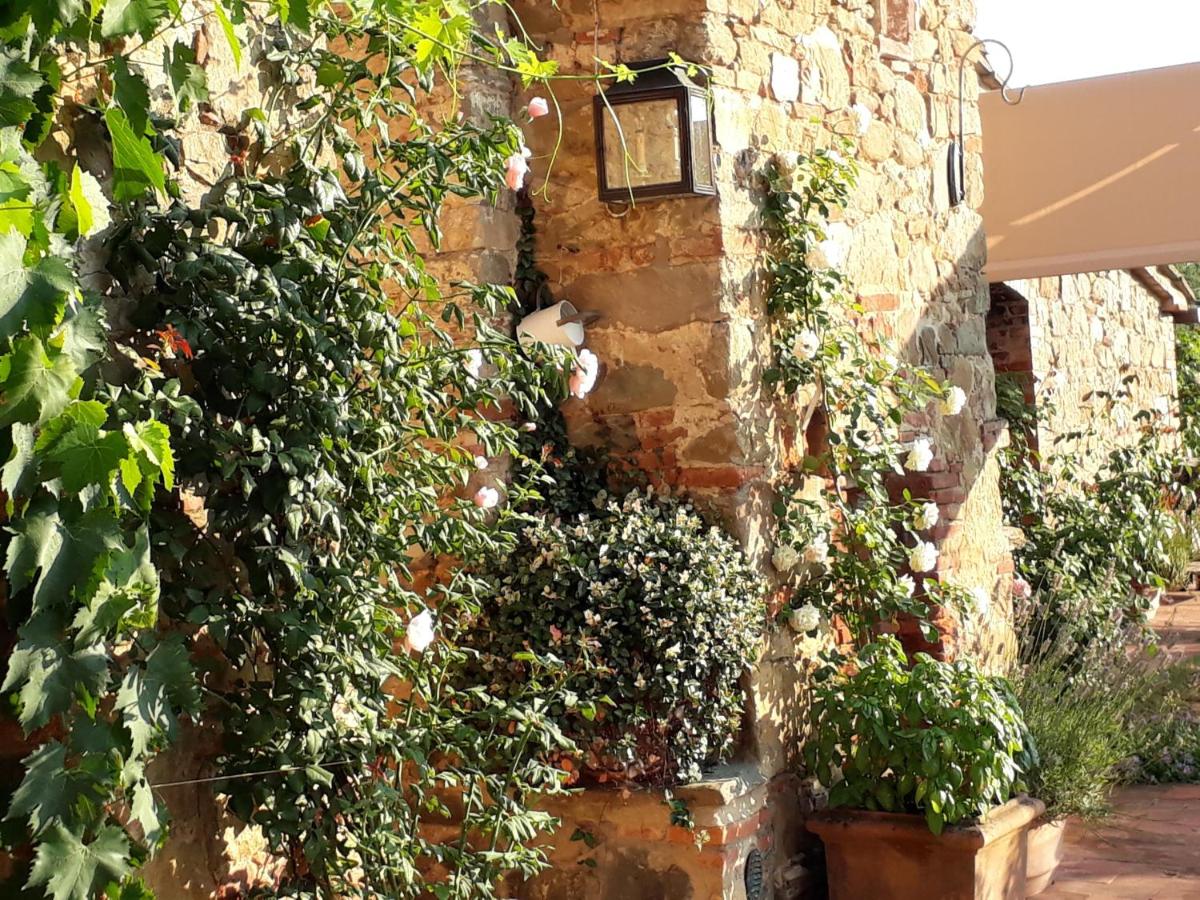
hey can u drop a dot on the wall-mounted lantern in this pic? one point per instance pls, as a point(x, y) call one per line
point(654, 136)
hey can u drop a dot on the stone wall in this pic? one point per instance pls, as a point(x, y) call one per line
point(1091, 351)
point(679, 283)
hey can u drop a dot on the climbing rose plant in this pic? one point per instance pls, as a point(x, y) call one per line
point(857, 549)
point(243, 486)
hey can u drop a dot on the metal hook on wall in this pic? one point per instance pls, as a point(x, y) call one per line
point(957, 161)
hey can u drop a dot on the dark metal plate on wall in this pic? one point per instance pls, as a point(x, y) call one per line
point(754, 875)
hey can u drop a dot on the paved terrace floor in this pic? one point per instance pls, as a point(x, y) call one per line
point(1150, 848)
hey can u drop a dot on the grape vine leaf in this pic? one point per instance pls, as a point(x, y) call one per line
point(36, 295)
point(65, 553)
point(124, 17)
point(48, 14)
point(88, 455)
point(49, 675)
point(142, 807)
point(19, 81)
point(20, 473)
point(35, 386)
point(136, 166)
point(49, 791)
point(70, 868)
point(151, 441)
point(84, 334)
point(151, 699)
point(187, 78)
point(129, 582)
point(132, 94)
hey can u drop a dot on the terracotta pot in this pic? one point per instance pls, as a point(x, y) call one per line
point(1044, 853)
point(889, 856)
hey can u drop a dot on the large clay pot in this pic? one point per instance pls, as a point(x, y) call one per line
point(888, 856)
point(1043, 855)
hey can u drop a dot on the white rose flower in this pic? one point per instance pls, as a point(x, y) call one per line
point(481, 462)
point(785, 558)
point(981, 598)
point(920, 455)
point(862, 117)
point(804, 619)
point(923, 557)
point(583, 378)
point(486, 497)
point(927, 516)
point(954, 401)
point(906, 584)
point(806, 345)
point(817, 552)
point(419, 633)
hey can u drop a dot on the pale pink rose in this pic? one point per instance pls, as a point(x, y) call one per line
point(486, 497)
point(481, 462)
point(1021, 589)
point(419, 633)
point(538, 107)
point(555, 633)
point(583, 379)
point(516, 168)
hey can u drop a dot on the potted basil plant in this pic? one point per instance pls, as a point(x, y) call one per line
point(924, 766)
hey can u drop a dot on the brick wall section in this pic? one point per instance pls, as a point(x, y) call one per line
point(1096, 349)
point(1008, 337)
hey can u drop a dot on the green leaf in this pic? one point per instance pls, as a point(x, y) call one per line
point(151, 699)
point(132, 95)
point(136, 166)
point(36, 295)
point(49, 791)
point(89, 456)
point(187, 79)
point(20, 473)
point(83, 334)
point(34, 386)
point(129, 582)
point(89, 203)
point(64, 552)
point(235, 46)
point(152, 440)
point(144, 809)
point(70, 869)
point(49, 675)
point(124, 17)
point(19, 81)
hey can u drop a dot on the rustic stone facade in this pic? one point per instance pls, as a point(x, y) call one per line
point(684, 336)
point(1090, 351)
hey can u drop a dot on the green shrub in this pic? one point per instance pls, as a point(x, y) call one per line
point(1174, 552)
point(657, 616)
point(939, 739)
point(1077, 700)
point(1163, 733)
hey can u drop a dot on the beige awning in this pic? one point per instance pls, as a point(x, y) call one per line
point(1092, 175)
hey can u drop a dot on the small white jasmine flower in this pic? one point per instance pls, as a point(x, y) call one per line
point(906, 584)
point(804, 619)
point(785, 558)
point(806, 345)
point(481, 462)
point(486, 497)
point(926, 516)
point(1021, 589)
point(920, 455)
point(954, 401)
point(473, 362)
point(419, 633)
point(923, 557)
point(817, 552)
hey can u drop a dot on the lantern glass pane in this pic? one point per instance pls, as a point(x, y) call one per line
point(702, 173)
point(650, 152)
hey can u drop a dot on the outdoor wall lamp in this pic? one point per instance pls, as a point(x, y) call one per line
point(957, 167)
point(654, 136)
